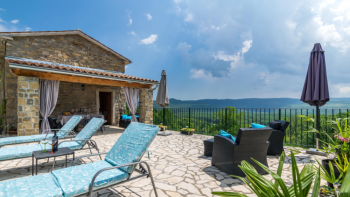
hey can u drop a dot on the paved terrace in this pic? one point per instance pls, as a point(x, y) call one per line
point(177, 162)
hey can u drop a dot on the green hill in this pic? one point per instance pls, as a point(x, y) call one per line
point(254, 103)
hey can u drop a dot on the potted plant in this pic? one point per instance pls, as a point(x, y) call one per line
point(162, 127)
point(263, 187)
point(12, 130)
point(187, 131)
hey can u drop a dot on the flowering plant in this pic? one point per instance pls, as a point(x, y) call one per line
point(340, 142)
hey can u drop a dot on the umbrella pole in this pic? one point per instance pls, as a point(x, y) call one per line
point(164, 120)
point(318, 125)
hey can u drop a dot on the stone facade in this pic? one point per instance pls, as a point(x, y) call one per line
point(28, 106)
point(66, 49)
point(146, 105)
point(71, 96)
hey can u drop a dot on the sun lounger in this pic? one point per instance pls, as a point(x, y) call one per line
point(120, 162)
point(78, 143)
point(65, 132)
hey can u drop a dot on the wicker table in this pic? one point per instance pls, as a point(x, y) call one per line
point(208, 147)
point(40, 155)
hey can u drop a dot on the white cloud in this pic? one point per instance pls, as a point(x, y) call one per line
point(2, 21)
point(339, 18)
point(149, 17)
point(132, 33)
point(189, 17)
point(15, 21)
point(28, 29)
point(150, 39)
point(2, 9)
point(129, 17)
point(201, 74)
point(343, 89)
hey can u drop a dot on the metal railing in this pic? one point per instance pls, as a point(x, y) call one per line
point(210, 121)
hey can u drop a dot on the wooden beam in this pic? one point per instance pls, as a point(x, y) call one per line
point(76, 79)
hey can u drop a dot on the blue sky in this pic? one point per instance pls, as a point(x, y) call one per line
point(210, 49)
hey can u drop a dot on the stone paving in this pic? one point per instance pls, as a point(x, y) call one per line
point(177, 162)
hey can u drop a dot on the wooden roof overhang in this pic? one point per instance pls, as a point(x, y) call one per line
point(74, 74)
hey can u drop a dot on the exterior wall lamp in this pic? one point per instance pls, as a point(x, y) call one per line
point(83, 87)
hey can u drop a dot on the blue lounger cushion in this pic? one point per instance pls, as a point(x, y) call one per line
point(39, 186)
point(132, 144)
point(69, 126)
point(77, 179)
point(89, 130)
point(15, 152)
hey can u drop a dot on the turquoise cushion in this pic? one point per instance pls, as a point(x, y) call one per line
point(225, 134)
point(77, 179)
point(128, 118)
point(14, 152)
point(70, 144)
point(20, 139)
point(132, 144)
point(124, 116)
point(39, 186)
point(89, 129)
point(69, 126)
point(257, 125)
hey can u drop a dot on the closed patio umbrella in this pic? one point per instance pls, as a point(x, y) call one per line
point(315, 91)
point(162, 97)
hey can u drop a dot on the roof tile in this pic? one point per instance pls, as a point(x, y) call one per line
point(53, 66)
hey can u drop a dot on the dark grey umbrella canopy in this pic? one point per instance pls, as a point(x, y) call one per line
point(315, 91)
point(162, 96)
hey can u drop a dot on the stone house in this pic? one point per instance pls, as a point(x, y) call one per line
point(90, 75)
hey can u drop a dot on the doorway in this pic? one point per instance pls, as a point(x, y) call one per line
point(106, 106)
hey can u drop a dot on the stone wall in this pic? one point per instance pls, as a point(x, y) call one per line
point(28, 106)
point(71, 96)
point(68, 49)
point(146, 105)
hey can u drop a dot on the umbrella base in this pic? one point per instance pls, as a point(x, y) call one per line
point(164, 133)
point(316, 152)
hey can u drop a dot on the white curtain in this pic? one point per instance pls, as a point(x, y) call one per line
point(48, 93)
point(132, 98)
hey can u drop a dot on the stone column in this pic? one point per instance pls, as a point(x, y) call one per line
point(146, 105)
point(28, 106)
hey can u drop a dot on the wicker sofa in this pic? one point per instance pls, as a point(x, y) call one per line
point(250, 143)
point(276, 139)
point(125, 123)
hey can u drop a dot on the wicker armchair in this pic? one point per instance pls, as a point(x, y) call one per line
point(276, 139)
point(250, 143)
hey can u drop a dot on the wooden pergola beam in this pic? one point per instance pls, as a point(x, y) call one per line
point(76, 79)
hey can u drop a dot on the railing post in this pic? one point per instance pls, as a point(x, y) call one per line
point(189, 117)
point(279, 114)
point(226, 119)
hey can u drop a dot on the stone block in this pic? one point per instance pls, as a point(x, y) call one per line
point(26, 120)
point(26, 108)
point(34, 85)
point(30, 101)
point(21, 78)
point(23, 84)
point(25, 126)
point(21, 101)
point(33, 95)
point(34, 108)
point(35, 119)
point(22, 114)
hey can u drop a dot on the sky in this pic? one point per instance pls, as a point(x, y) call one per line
point(222, 49)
